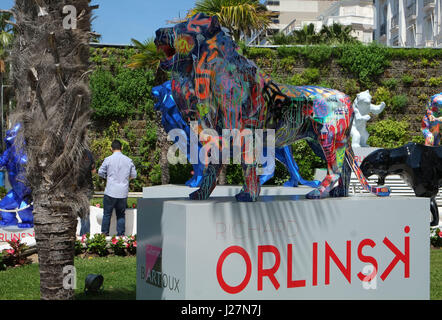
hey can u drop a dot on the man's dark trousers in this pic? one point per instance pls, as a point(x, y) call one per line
point(109, 204)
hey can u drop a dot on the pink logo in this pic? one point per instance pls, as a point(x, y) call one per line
point(152, 254)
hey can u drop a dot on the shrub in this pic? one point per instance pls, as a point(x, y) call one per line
point(390, 83)
point(388, 133)
point(306, 159)
point(398, 102)
point(131, 244)
point(311, 75)
point(382, 94)
point(367, 62)
point(435, 81)
point(317, 55)
point(418, 139)
point(436, 237)
point(2, 261)
point(407, 80)
point(97, 244)
point(14, 256)
point(351, 87)
point(118, 246)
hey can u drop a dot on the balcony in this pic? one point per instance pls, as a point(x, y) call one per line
point(383, 29)
point(394, 23)
point(429, 5)
point(411, 13)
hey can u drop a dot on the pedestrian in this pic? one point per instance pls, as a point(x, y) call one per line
point(85, 181)
point(118, 170)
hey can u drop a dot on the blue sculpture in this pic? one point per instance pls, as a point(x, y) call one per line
point(18, 199)
point(172, 119)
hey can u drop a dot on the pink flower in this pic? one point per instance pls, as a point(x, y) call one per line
point(83, 238)
point(135, 244)
point(97, 205)
point(114, 240)
point(440, 234)
point(127, 245)
point(10, 251)
point(134, 205)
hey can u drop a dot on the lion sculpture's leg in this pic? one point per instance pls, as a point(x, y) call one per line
point(333, 145)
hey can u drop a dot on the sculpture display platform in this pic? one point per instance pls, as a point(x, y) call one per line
point(279, 248)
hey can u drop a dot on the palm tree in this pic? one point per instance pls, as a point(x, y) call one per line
point(148, 57)
point(337, 34)
point(50, 63)
point(238, 16)
point(307, 35)
point(6, 35)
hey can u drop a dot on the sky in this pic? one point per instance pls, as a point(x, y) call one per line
point(118, 21)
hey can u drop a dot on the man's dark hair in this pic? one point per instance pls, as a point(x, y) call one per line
point(116, 145)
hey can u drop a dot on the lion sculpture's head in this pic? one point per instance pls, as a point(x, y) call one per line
point(183, 43)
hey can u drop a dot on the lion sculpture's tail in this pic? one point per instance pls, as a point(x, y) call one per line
point(379, 191)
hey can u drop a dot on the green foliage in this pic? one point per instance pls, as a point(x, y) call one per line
point(351, 87)
point(120, 95)
point(15, 255)
point(398, 103)
point(254, 53)
point(422, 97)
point(118, 246)
point(2, 261)
point(310, 76)
point(315, 55)
point(306, 159)
point(180, 173)
point(155, 174)
point(382, 94)
point(390, 83)
point(388, 133)
point(407, 80)
point(97, 244)
point(435, 81)
point(418, 139)
point(367, 62)
point(436, 238)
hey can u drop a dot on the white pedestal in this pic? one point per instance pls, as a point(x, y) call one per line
point(283, 247)
point(181, 191)
point(26, 236)
point(96, 218)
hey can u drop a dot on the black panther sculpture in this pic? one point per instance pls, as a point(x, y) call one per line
point(420, 166)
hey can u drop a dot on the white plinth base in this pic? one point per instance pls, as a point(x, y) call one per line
point(283, 247)
point(26, 236)
point(181, 191)
point(96, 218)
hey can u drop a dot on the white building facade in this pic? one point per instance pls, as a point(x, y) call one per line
point(408, 23)
point(355, 13)
point(293, 14)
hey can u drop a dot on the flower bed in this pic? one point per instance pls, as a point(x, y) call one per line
point(436, 237)
point(99, 245)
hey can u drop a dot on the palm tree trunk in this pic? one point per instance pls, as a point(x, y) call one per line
point(50, 60)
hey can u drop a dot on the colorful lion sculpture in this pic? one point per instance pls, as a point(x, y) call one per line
point(431, 121)
point(172, 119)
point(213, 84)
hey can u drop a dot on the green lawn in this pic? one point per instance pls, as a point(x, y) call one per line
point(120, 279)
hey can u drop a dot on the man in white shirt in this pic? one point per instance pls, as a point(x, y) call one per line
point(117, 169)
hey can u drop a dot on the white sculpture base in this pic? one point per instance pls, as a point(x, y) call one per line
point(26, 236)
point(283, 247)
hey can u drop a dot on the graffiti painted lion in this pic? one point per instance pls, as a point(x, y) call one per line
point(212, 83)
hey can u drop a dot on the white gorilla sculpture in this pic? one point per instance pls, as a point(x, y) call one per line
point(362, 107)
